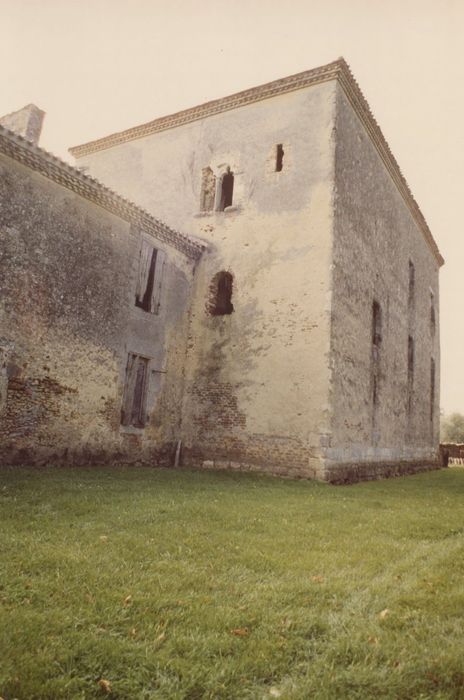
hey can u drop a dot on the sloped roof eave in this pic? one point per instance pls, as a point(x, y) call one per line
point(41, 161)
point(337, 70)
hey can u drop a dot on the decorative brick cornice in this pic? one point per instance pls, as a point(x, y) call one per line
point(53, 168)
point(337, 70)
point(224, 104)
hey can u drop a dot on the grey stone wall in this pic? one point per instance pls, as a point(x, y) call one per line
point(257, 379)
point(286, 383)
point(67, 323)
point(375, 239)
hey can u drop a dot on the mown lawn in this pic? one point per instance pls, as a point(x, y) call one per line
point(138, 583)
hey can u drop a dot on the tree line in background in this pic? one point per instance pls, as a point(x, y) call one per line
point(452, 428)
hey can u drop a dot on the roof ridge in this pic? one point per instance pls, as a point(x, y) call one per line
point(56, 169)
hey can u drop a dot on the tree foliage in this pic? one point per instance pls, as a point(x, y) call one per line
point(452, 428)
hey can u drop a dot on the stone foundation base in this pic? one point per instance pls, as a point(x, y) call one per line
point(164, 456)
point(271, 470)
point(333, 474)
point(370, 471)
point(131, 452)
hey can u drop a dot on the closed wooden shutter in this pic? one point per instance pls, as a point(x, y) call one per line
point(158, 281)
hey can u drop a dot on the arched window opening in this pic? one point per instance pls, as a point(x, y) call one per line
point(208, 189)
point(221, 294)
point(227, 190)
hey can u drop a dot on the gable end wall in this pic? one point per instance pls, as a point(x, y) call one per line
point(375, 236)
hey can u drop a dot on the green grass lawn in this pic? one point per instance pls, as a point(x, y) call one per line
point(138, 583)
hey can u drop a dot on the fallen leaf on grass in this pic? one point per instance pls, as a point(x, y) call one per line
point(384, 614)
point(133, 632)
point(103, 538)
point(105, 685)
point(373, 640)
point(317, 579)
point(275, 693)
point(240, 632)
point(128, 600)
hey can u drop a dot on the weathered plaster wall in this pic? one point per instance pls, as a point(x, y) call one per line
point(257, 380)
point(375, 238)
point(67, 322)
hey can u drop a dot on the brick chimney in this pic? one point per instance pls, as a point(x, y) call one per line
point(26, 122)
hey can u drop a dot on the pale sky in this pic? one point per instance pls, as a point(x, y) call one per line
point(99, 66)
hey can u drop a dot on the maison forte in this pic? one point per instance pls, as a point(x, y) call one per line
point(248, 284)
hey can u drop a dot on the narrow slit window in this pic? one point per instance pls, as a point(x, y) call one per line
point(149, 278)
point(375, 391)
point(376, 343)
point(279, 158)
point(376, 324)
point(410, 372)
point(432, 389)
point(133, 411)
point(220, 303)
point(432, 315)
point(227, 190)
point(412, 283)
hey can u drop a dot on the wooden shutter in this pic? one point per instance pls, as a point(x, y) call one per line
point(146, 252)
point(126, 411)
point(138, 402)
point(158, 281)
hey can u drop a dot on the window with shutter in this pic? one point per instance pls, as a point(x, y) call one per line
point(133, 412)
point(149, 278)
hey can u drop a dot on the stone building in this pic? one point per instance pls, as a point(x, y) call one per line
point(86, 348)
point(303, 338)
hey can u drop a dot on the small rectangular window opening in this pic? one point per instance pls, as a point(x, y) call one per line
point(279, 157)
point(133, 411)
